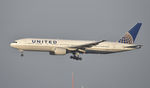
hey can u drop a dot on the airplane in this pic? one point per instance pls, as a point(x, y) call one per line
point(77, 47)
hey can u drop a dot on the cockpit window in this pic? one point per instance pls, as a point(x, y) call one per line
point(14, 42)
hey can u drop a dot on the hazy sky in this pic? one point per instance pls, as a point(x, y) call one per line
point(74, 19)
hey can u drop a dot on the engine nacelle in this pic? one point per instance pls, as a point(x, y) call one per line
point(58, 51)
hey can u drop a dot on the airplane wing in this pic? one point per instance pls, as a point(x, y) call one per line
point(88, 45)
point(81, 48)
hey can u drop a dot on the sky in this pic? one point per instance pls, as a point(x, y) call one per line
point(76, 20)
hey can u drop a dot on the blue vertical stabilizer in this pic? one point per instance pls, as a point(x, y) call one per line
point(130, 36)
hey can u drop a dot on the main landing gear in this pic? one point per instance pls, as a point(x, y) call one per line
point(76, 56)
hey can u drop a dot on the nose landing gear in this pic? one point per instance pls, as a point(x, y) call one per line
point(22, 55)
point(21, 51)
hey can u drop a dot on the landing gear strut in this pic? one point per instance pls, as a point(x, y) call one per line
point(76, 56)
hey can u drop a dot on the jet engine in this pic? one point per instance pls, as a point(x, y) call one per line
point(58, 51)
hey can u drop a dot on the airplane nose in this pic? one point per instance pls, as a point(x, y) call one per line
point(12, 45)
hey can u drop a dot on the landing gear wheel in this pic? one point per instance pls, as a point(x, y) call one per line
point(79, 58)
point(72, 57)
point(22, 55)
point(75, 58)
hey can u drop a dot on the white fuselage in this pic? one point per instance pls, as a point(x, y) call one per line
point(35, 44)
